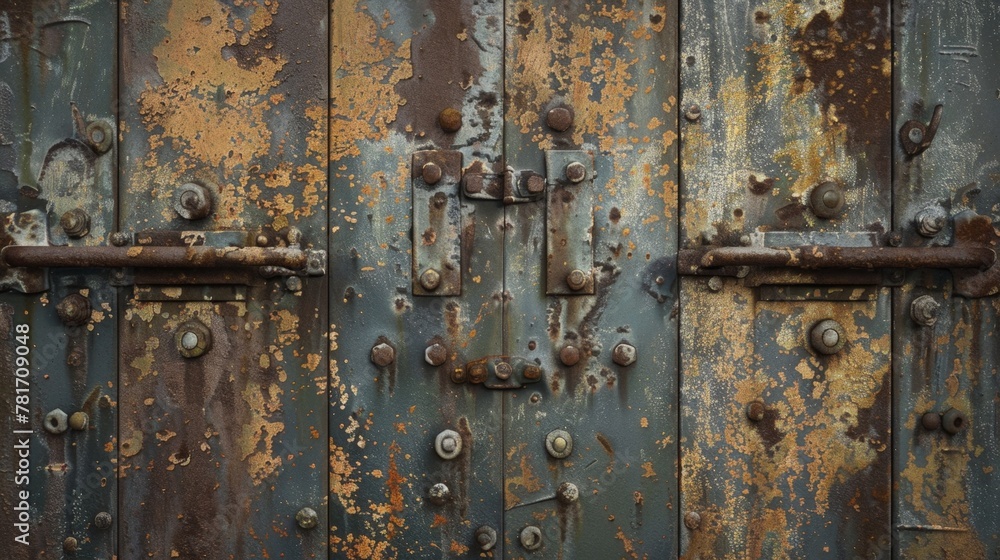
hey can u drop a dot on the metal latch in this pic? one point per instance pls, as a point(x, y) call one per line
point(971, 257)
point(499, 372)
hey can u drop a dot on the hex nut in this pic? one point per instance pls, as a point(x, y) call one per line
point(827, 337)
point(56, 422)
point(79, 420)
point(692, 520)
point(76, 223)
point(383, 354)
point(193, 339)
point(435, 354)
point(827, 199)
point(931, 220)
point(531, 538)
point(567, 493)
point(74, 310)
point(931, 421)
point(576, 172)
point(559, 444)
point(307, 518)
point(924, 310)
point(192, 201)
point(431, 173)
point(576, 280)
point(559, 119)
point(450, 120)
point(755, 411)
point(430, 279)
point(486, 538)
point(569, 355)
point(448, 444)
point(953, 421)
point(439, 494)
point(624, 354)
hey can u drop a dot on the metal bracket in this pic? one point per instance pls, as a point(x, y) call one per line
point(437, 223)
point(570, 222)
point(499, 372)
point(513, 187)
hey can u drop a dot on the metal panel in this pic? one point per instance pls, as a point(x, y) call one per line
point(406, 77)
point(57, 91)
point(220, 452)
point(601, 79)
point(786, 128)
point(947, 496)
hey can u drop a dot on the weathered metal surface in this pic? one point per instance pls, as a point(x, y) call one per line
point(947, 500)
point(57, 70)
point(783, 97)
point(222, 451)
point(397, 68)
point(612, 68)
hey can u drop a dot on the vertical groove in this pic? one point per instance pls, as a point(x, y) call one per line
point(119, 291)
point(678, 514)
point(501, 531)
point(893, 417)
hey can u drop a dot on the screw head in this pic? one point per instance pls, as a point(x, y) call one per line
point(431, 173)
point(192, 201)
point(567, 493)
point(953, 421)
point(193, 339)
point(931, 421)
point(383, 354)
point(576, 172)
point(70, 544)
point(755, 411)
point(435, 354)
point(931, 220)
point(450, 120)
point(439, 494)
point(486, 537)
point(559, 119)
point(56, 422)
point(448, 444)
point(827, 199)
point(692, 520)
point(624, 354)
point(79, 420)
point(503, 370)
point(76, 223)
point(559, 444)
point(924, 310)
point(827, 337)
point(307, 518)
point(430, 280)
point(576, 280)
point(531, 538)
point(74, 310)
point(693, 113)
point(102, 520)
point(569, 355)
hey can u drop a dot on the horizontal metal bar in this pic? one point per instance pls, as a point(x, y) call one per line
point(153, 257)
point(818, 256)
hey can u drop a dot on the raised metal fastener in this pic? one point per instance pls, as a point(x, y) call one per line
point(448, 444)
point(692, 520)
point(624, 354)
point(531, 371)
point(76, 223)
point(383, 354)
point(307, 518)
point(953, 421)
point(431, 173)
point(576, 280)
point(75, 358)
point(536, 184)
point(293, 284)
point(439, 494)
point(263, 241)
point(755, 411)
point(478, 373)
point(693, 113)
point(576, 172)
point(102, 520)
point(486, 537)
point(569, 355)
point(559, 444)
point(715, 284)
point(435, 354)
point(503, 370)
point(827, 337)
point(567, 493)
point(193, 339)
point(99, 136)
point(430, 280)
point(924, 310)
point(894, 239)
point(74, 310)
point(931, 220)
point(931, 421)
point(916, 136)
point(56, 422)
point(70, 544)
point(559, 119)
point(79, 420)
point(192, 201)
point(119, 239)
point(450, 120)
point(827, 199)
point(531, 538)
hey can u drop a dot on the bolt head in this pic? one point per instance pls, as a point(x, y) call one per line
point(189, 340)
point(532, 372)
point(192, 201)
point(76, 223)
point(99, 136)
point(536, 184)
point(568, 493)
point(569, 355)
point(450, 120)
point(624, 354)
point(931, 220)
point(193, 339)
point(531, 538)
point(827, 200)
point(56, 422)
point(430, 280)
point(576, 280)
point(439, 494)
point(435, 354)
point(383, 354)
point(486, 536)
point(559, 444)
point(931, 421)
point(431, 173)
point(924, 310)
point(559, 119)
point(755, 411)
point(448, 444)
point(74, 310)
point(503, 370)
point(831, 338)
point(102, 520)
point(478, 373)
point(79, 420)
point(576, 172)
point(307, 518)
point(827, 337)
point(692, 520)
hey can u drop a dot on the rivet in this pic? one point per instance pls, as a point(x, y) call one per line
point(532, 372)
point(559, 444)
point(448, 444)
point(430, 280)
point(478, 373)
point(924, 310)
point(75, 358)
point(439, 494)
point(192, 201)
point(293, 284)
point(692, 520)
point(531, 538)
point(567, 493)
point(119, 239)
point(693, 113)
point(435, 354)
point(624, 354)
point(486, 537)
point(383, 354)
point(953, 421)
point(569, 355)
point(503, 370)
point(307, 518)
point(559, 119)
point(715, 284)
point(74, 310)
point(755, 411)
point(915, 135)
point(102, 520)
point(931, 421)
point(450, 120)
point(827, 337)
point(576, 172)
point(827, 199)
point(193, 339)
point(56, 422)
point(262, 240)
point(76, 223)
point(70, 544)
point(931, 220)
point(576, 280)
point(79, 420)
point(99, 136)
point(431, 173)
